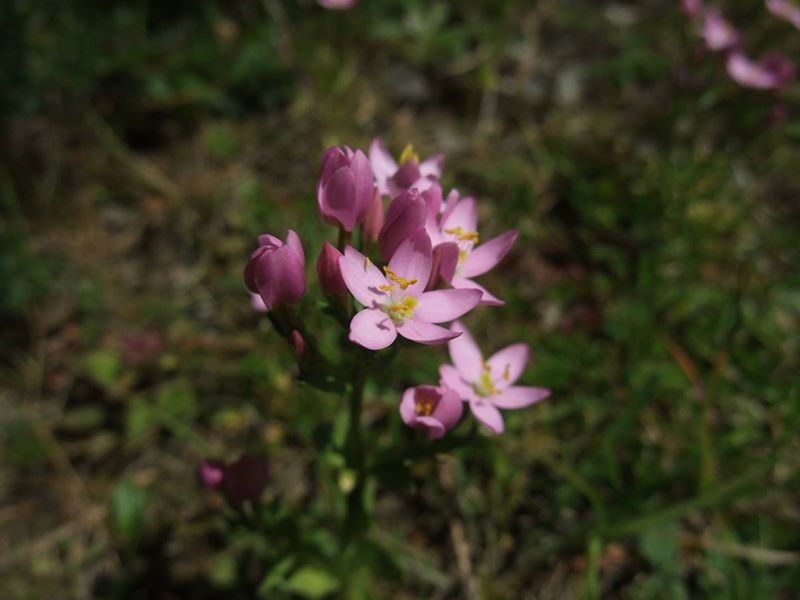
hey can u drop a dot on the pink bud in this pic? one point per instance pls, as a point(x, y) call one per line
point(405, 216)
point(328, 272)
point(374, 221)
point(211, 472)
point(276, 270)
point(298, 344)
point(445, 261)
point(344, 189)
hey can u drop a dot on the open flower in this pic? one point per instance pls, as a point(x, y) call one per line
point(461, 255)
point(395, 300)
point(392, 178)
point(488, 385)
point(434, 409)
point(344, 189)
point(276, 270)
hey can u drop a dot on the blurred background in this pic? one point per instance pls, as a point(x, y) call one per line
point(146, 144)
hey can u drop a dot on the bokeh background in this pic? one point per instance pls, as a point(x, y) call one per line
point(146, 144)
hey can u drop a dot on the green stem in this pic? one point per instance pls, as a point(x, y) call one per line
point(345, 237)
point(354, 450)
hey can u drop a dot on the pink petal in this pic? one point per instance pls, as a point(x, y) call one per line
point(450, 203)
point(509, 361)
point(465, 354)
point(519, 397)
point(362, 172)
point(432, 167)
point(408, 407)
point(445, 305)
point(449, 409)
point(451, 378)
point(425, 333)
point(464, 215)
point(785, 10)
point(257, 303)
point(488, 415)
point(436, 428)
point(485, 257)
point(488, 298)
point(361, 277)
point(718, 33)
point(383, 165)
point(405, 215)
point(433, 199)
point(412, 260)
point(445, 261)
point(280, 277)
point(293, 241)
point(750, 74)
point(337, 199)
point(373, 329)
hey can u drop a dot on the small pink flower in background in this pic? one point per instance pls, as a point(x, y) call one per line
point(242, 481)
point(337, 4)
point(344, 189)
point(771, 72)
point(434, 409)
point(785, 10)
point(392, 178)
point(405, 215)
point(717, 32)
point(276, 270)
point(464, 257)
point(395, 300)
point(488, 385)
point(692, 8)
point(211, 472)
point(330, 277)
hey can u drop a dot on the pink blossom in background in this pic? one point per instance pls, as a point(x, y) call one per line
point(771, 72)
point(785, 10)
point(337, 4)
point(717, 32)
point(692, 8)
point(488, 385)
point(392, 178)
point(276, 270)
point(435, 409)
point(242, 481)
point(395, 300)
point(373, 222)
point(465, 258)
point(344, 188)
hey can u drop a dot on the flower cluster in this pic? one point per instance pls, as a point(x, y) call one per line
point(772, 71)
point(412, 272)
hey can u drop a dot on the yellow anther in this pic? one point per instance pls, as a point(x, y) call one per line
point(507, 372)
point(462, 256)
point(367, 262)
point(387, 288)
point(401, 281)
point(408, 154)
point(484, 386)
point(425, 402)
point(404, 309)
point(463, 236)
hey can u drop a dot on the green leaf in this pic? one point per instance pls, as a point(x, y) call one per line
point(128, 506)
point(103, 367)
point(176, 400)
point(312, 582)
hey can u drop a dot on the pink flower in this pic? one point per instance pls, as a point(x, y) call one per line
point(488, 385)
point(337, 4)
point(395, 300)
point(461, 257)
point(785, 10)
point(276, 270)
point(344, 189)
point(242, 480)
point(434, 409)
point(330, 277)
point(405, 215)
point(771, 72)
point(392, 178)
point(717, 32)
point(692, 8)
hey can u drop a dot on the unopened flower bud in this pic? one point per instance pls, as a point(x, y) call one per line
point(276, 270)
point(374, 220)
point(405, 216)
point(330, 276)
point(344, 189)
point(298, 344)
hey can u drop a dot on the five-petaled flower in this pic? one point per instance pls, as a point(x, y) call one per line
point(463, 257)
point(392, 178)
point(395, 300)
point(488, 385)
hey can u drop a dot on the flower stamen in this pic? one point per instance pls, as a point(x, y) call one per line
point(463, 236)
point(401, 281)
point(409, 154)
point(400, 311)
